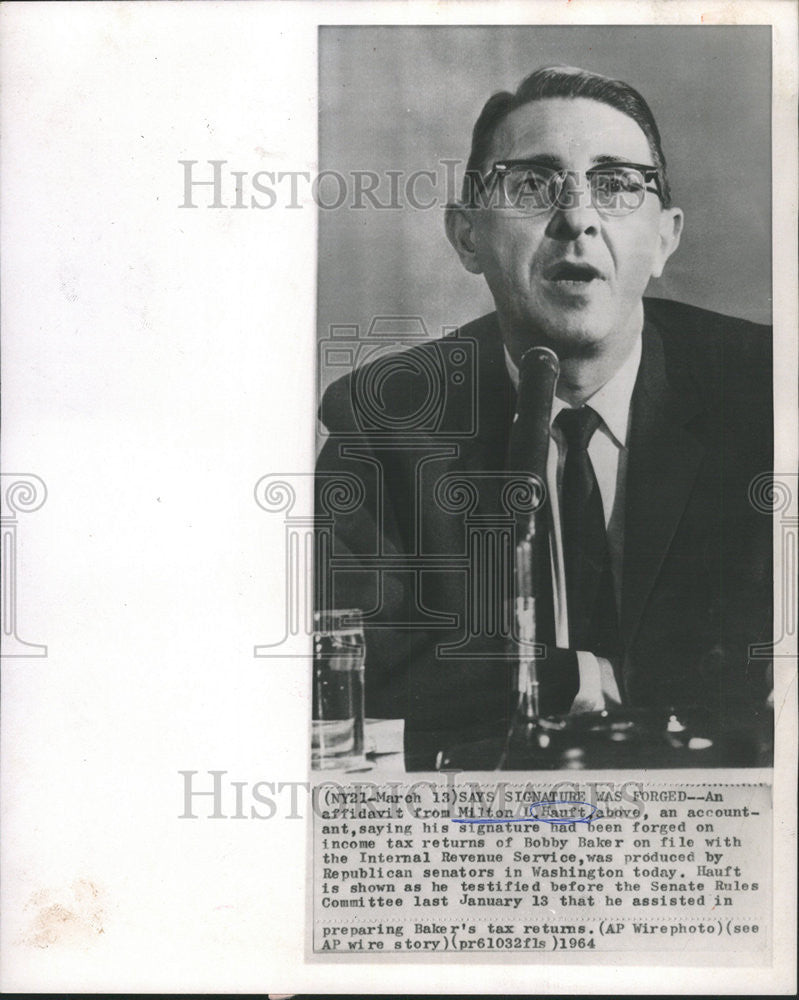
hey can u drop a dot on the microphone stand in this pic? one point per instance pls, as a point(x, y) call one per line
point(529, 446)
point(527, 678)
point(527, 712)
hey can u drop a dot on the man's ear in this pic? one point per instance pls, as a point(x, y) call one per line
point(460, 232)
point(671, 222)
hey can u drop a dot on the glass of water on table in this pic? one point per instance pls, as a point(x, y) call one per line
point(338, 691)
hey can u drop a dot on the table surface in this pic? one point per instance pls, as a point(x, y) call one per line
point(594, 741)
point(620, 740)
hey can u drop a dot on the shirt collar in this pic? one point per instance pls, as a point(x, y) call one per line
point(611, 401)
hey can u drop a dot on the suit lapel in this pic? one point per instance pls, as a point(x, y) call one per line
point(664, 459)
point(466, 482)
point(486, 451)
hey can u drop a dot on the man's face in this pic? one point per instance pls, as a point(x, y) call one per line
point(526, 260)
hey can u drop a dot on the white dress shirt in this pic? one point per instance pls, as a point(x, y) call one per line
point(608, 451)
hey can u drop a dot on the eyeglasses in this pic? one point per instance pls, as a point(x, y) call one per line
point(529, 188)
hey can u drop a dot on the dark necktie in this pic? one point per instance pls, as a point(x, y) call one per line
point(593, 619)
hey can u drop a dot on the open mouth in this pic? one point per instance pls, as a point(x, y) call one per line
point(572, 274)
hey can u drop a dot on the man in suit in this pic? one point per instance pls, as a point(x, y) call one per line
point(658, 575)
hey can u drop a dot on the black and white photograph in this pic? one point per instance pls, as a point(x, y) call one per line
point(542, 536)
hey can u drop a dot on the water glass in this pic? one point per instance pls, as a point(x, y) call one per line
point(338, 691)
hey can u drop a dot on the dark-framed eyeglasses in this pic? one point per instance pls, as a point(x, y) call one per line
point(529, 188)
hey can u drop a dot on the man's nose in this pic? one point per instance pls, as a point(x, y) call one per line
point(574, 213)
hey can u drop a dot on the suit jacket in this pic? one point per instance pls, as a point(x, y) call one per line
point(424, 543)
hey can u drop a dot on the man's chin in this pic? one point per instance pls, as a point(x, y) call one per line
point(583, 332)
point(575, 342)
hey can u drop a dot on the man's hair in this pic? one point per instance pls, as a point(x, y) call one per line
point(561, 81)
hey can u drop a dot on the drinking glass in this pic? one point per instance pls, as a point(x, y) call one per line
point(338, 692)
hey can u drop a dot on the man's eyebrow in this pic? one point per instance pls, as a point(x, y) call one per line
point(543, 159)
point(550, 160)
point(610, 158)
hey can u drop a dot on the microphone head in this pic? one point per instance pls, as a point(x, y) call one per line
point(529, 440)
point(539, 358)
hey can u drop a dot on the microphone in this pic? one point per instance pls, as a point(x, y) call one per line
point(538, 372)
point(529, 448)
point(529, 438)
